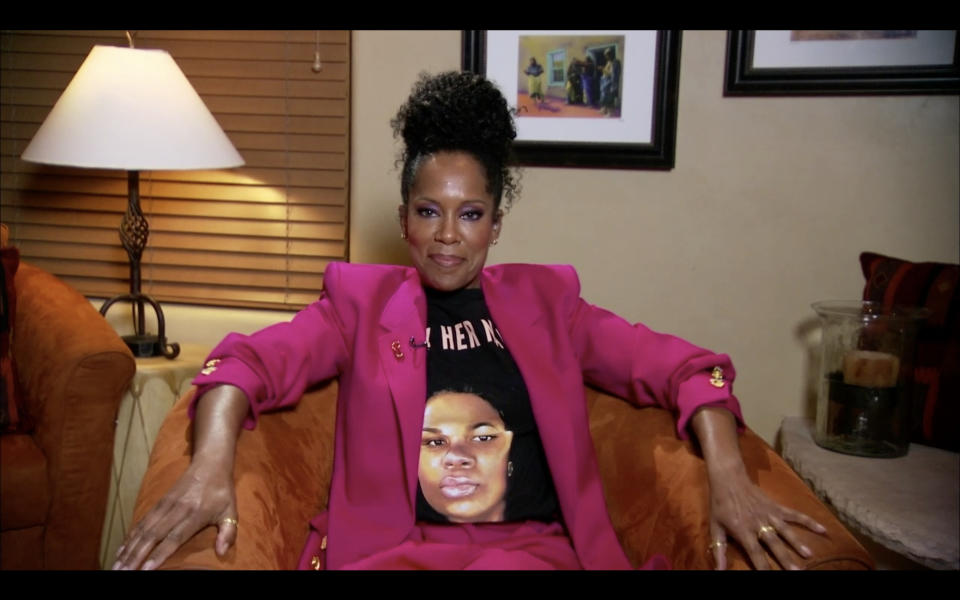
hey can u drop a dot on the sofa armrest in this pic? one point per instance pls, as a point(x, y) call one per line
point(73, 369)
point(658, 495)
point(282, 474)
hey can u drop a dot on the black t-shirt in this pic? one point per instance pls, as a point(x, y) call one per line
point(466, 355)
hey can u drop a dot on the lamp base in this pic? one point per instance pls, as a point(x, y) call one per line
point(145, 346)
point(133, 235)
point(141, 343)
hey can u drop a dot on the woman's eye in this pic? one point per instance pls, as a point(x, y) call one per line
point(434, 443)
point(426, 212)
point(484, 438)
point(472, 215)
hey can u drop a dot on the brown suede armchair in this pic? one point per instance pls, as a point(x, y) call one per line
point(73, 370)
point(655, 485)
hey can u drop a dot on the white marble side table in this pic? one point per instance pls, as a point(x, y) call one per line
point(909, 505)
point(156, 385)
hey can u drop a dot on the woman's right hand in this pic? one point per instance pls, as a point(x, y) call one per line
point(204, 495)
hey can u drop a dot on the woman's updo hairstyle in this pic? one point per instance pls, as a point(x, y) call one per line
point(458, 111)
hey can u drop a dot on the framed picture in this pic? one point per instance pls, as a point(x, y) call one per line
point(602, 99)
point(841, 62)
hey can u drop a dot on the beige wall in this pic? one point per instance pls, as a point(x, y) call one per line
point(767, 210)
point(770, 203)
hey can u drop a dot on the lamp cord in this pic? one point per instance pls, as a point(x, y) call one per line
point(286, 170)
point(146, 204)
point(317, 65)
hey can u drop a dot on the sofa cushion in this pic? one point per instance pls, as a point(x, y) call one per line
point(24, 487)
point(22, 549)
point(13, 416)
point(933, 285)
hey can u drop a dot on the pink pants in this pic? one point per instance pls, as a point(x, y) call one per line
point(485, 546)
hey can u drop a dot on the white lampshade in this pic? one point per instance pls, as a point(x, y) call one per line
point(134, 110)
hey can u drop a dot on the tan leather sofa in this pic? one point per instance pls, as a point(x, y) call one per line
point(73, 370)
point(655, 485)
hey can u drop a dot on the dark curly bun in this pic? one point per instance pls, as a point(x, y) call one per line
point(458, 111)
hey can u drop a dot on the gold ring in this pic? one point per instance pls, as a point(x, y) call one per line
point(716, 544)
point(229, 520)
point(766, 529)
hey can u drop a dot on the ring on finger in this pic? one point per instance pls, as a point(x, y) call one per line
point(716, 544)
point(766, 529)
point(229, 521)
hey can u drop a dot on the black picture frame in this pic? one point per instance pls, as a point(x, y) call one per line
point(658, 153)
point(742, 79)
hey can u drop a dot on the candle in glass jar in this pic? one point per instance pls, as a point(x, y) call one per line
point(871, 369)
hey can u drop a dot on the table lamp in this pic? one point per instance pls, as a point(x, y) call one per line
point(132, 109)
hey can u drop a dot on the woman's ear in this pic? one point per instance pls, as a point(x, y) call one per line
point(402, 214)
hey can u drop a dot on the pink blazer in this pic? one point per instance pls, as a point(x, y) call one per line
point(360, 330)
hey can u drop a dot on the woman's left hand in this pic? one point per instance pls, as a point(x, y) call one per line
point(741, 510)
point(738, 508)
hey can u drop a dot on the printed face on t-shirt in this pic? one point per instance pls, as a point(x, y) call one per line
point(463, 458)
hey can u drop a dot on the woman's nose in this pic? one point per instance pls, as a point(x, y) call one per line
point(458, 457)
point(447, 232)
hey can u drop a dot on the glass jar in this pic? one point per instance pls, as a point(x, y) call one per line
point(866, 377)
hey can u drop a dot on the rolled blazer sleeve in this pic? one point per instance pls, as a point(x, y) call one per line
point(648, 368)
point(277, 364)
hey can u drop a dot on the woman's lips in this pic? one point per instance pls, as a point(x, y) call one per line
point(446, 260)
point(457, 487)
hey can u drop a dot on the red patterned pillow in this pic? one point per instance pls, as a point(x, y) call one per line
point(13, 417)
point(896, 282)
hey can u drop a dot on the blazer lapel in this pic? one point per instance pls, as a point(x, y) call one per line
point(554, 383)
point(526, 332)
point(405, 317)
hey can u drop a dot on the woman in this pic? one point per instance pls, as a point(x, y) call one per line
point(534, 73)
point(610, 84)
point(391, 334)
point(589, 82)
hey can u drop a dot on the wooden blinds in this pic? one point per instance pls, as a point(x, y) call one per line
point(259, 235)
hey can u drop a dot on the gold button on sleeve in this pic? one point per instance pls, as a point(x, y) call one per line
point(716, 378)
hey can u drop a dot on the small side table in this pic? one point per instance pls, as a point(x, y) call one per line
point(156, 385)
point(908, 505)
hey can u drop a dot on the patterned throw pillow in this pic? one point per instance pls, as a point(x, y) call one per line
point(896, 282)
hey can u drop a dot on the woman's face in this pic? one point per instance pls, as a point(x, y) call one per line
point(450, 220)
point(463, 458)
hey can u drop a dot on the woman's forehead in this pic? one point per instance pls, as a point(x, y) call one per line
point(445, 168)
point(460, 408)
